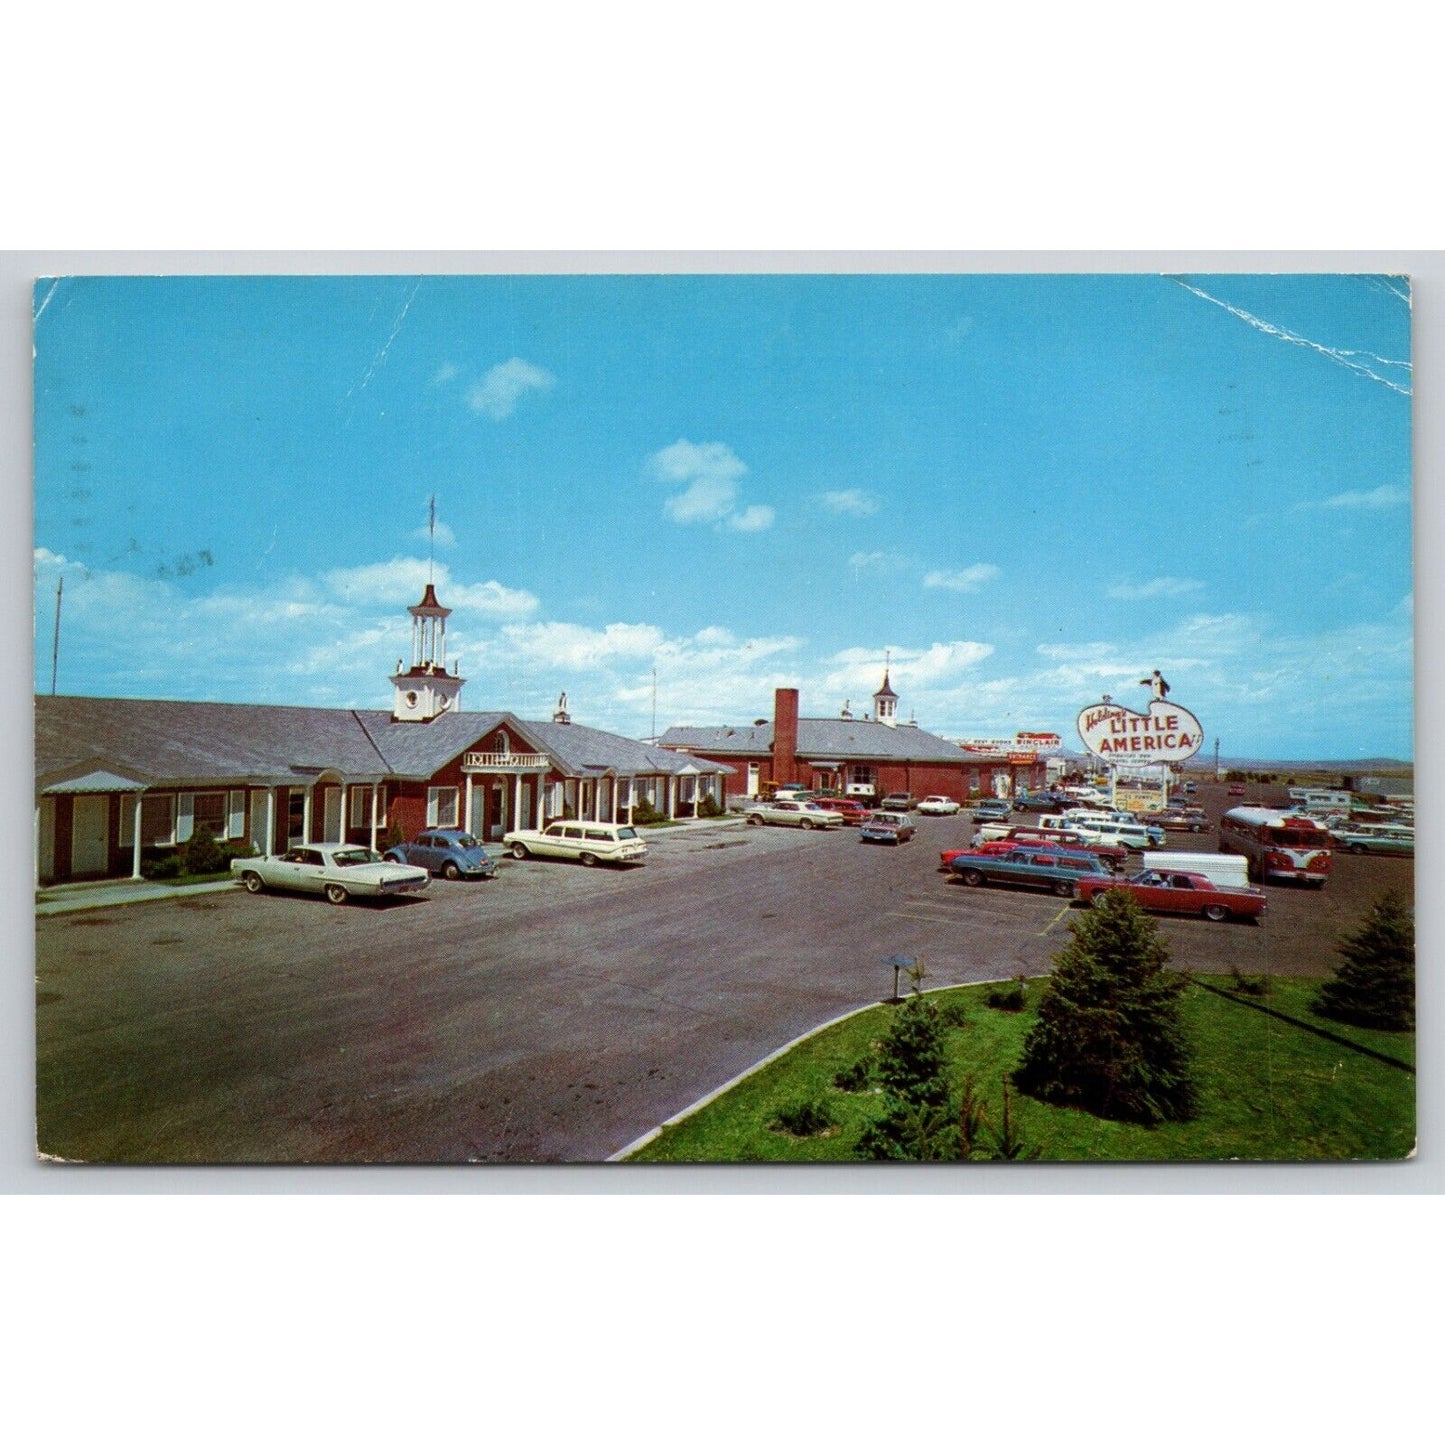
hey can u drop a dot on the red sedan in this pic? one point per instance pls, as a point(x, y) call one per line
point(852, 813)
point(1180, 893)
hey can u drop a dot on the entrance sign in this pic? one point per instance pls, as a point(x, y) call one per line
point(1167, 733)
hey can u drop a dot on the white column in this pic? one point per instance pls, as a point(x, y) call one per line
point(306, 814)
point(375, 798)
point(37, 845)
point(671, 796)
point(135, 839)
point(540, 783)
point(516, 798)
point(341, 822)
point(270, 820)
point(467, 814)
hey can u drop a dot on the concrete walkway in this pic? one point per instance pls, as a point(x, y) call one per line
point(114, 892)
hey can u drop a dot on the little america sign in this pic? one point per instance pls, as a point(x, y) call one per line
point(1165, 734)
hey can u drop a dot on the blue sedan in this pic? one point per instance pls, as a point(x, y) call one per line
point(450, 852)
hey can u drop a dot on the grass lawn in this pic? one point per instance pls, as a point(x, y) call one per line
point(1271, 1088)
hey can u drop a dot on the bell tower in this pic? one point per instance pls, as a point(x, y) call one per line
point(426, 689)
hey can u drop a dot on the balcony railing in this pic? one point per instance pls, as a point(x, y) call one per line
point(505, 762)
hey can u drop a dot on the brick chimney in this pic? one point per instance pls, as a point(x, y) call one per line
point(785, 735)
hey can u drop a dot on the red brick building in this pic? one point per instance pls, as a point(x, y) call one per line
point(876, 751)
point(119, 781)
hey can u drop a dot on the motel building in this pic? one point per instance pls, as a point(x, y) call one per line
point(120, 780)
point(876, 751)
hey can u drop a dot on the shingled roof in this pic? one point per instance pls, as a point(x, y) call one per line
point(177, 743)
point(843, 739)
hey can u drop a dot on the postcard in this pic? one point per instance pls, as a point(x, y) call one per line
point(774, 717)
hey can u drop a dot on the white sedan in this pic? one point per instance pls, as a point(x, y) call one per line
point(938, 805)
point(339, 870)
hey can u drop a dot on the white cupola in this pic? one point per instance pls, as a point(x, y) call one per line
point(426, 689)
point(885, 703)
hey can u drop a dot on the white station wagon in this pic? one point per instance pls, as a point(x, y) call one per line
point(588, 843)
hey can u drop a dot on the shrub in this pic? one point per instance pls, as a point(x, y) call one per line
point(709, 807)
point(1253, 985)
point(1375, 986)
point(803, 1120)
point(954, 1014)
point(1011, 998)
point(644, 813)
point(171, 866)
point(1109, 1038)
point(203, 854)
point(854, 1079)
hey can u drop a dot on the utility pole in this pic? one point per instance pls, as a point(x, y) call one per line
point(1216, 760)
point(55, 648)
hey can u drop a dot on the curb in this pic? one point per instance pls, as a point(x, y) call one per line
point(654, 1133)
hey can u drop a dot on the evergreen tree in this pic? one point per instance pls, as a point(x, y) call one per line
point(1109, 1038)
point(1375, 986)
point(911, 1069)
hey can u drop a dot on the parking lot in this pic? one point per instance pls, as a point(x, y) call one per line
point(554, 1013)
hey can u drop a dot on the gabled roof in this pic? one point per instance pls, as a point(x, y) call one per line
point(845, 739)
point(169, 742)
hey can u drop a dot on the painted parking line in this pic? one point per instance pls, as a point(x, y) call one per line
point(921, 917)
point(1061, 914)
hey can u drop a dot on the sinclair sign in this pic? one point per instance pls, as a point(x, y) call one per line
point(1166, 733)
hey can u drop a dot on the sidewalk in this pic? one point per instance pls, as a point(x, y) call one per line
point(112, 892)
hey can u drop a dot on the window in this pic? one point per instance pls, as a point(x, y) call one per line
point(209, 810)
point(361, 806)
point(157, 821)
point(441, 807)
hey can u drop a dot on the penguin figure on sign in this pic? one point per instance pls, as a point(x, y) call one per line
point(1155, 682)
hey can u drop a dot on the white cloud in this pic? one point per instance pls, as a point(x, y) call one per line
point(1377, 500)
point(570, 645)
point(854, 502)
point(443, 535)
point(403, 580)
point(756, 518)
point(444, 373)
point(878, 562)
point(708, 473)
point(970, 579)
point(496, 395)
point(1156, 587)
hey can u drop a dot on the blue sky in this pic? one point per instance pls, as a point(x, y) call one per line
point(1026, 491)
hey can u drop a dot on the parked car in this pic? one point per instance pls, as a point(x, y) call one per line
point(587, 843)
point(899, 803)
point(988, 808)
point(788, 814)
point(999, 847)
point(1187, 820)
point(340, 871)
point(450, 852)
point(1029, 868)
point(849, 810)
point(1376, 838)
point(1114, 855)
point(1180, 893)
point(886, 828)
point(937, 806)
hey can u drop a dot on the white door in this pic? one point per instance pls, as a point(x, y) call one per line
point(753, 780)
point(88, 852)
point(331, 815)
point(260, 812)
